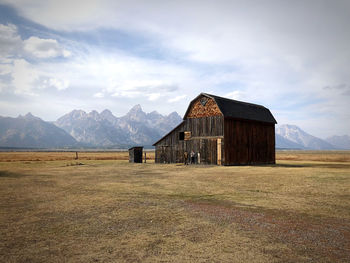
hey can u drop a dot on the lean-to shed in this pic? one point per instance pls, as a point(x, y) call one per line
point(220, 131)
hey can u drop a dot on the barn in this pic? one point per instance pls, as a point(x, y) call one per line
point(220, 131)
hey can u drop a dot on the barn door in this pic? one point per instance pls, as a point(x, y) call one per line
point(208, 150)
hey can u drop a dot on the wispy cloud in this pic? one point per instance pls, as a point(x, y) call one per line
point(99, 95)
point(44, 48)
point(343, 89)
point(177, 98)
point(10, 41)
point(20, 75)
point(281, 55)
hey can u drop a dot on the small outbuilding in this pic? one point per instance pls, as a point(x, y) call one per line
point(135, 154)
point(220, 131)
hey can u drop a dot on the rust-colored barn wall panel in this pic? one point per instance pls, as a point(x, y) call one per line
point(203, 107)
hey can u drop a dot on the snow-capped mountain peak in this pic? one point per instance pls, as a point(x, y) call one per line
point(295, 134)
point(104, 129)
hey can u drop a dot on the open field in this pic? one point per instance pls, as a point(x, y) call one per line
point(324, 156)
point(68, 155)
point(100, 208)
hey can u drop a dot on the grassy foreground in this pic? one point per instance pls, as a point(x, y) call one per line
point(103, 209)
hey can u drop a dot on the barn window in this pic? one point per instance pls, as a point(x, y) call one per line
point(181, 136)
point(204, 101)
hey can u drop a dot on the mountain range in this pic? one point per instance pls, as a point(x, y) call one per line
point(31, 132)
point(104, 130)
point(294, 137)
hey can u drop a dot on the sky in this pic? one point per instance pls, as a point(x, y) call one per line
point(292, 57)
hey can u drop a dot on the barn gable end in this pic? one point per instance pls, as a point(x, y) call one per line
point(202, 106)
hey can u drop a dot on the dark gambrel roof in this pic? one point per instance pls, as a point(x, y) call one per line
point(239, 109)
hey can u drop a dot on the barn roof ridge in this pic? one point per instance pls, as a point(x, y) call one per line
point(232, 100)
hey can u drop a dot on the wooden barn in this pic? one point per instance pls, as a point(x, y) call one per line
point(220, 131)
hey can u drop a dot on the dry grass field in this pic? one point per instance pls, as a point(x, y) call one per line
point(100, 208)
point(67, 156)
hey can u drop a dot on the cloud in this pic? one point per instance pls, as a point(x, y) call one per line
point(10, 41)
point(229, 29)
point(177, 98)
point(98, 95)
point(236, 95)
point(343, 89)
point(2, 86)
point(12, 45)
point(5, 68)
point(59, 84)
point(270, 45)
point(44, 48)
point(119, 76)
point(276, 53)
point(24, 76)
point(153, 96)
point(63, 14)
point(152, 89)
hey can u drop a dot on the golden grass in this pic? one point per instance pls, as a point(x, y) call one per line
point(113, 211)
point(322, 156)
point(67, 155)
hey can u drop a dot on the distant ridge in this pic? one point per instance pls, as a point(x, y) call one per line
point(32, 132)
point(341, 142)
point(294, 134)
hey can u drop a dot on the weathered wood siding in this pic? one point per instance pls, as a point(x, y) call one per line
point(170, 148)
point(204, 134)
point(248, 142)
point(207, 148)
point(206, 126)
